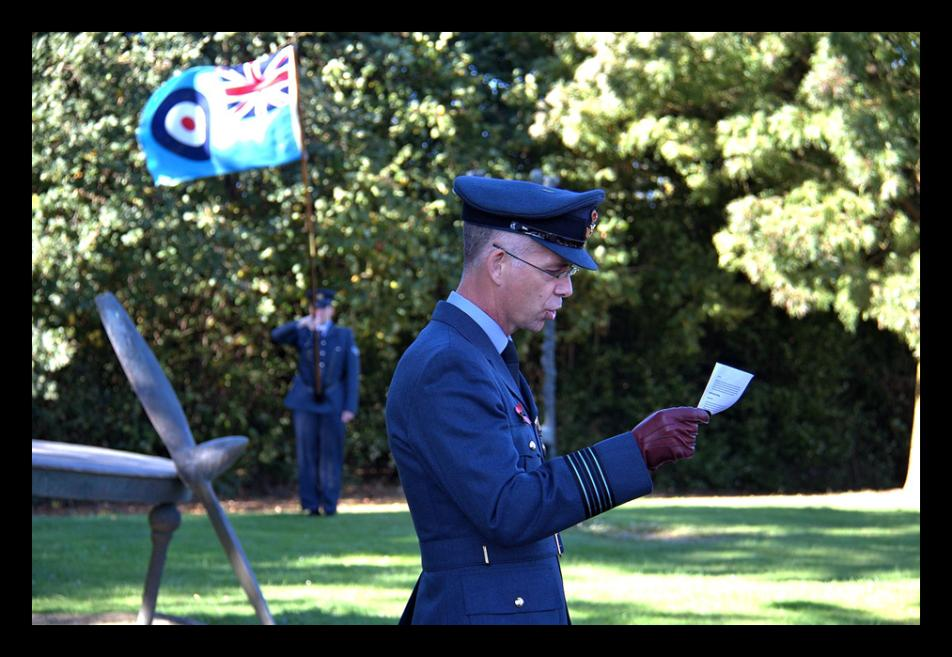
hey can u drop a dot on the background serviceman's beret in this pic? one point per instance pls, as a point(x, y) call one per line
point(322, 298)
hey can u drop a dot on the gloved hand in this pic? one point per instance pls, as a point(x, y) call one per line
point(669, 434)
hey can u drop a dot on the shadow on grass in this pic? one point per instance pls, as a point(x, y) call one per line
point(319, 617)
point(586, 612)
point(821, 613)
point(799, 612)
point(816, 544)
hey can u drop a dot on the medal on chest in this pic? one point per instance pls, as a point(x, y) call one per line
point(522, 413)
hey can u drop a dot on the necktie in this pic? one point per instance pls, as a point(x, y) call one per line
point(318, 384)
point(511, 358)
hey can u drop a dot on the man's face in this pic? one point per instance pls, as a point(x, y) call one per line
point(322, 315)
point(533, 296)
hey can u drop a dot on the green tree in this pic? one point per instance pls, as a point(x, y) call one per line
point(808, 145)
point(207, 268)
point(831, 214)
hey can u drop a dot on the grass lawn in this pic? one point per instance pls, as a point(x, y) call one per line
point(837, 559)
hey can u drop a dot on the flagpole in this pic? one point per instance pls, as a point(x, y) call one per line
point(309, 221)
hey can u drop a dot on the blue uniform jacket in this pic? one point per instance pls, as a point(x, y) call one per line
point(485, 504)
point(340, 376)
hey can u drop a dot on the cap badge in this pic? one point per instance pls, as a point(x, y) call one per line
point(591, 226)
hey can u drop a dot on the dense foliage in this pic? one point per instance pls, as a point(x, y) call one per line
point(786, 161)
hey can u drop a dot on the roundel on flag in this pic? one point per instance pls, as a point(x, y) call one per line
point(180, 124)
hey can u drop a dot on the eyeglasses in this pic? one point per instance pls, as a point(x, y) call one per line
point(565, 273)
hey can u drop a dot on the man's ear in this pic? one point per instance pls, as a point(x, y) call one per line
point(495, 263)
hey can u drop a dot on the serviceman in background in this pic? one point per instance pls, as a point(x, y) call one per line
point(323, 399)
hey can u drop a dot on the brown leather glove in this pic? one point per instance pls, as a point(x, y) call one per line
point(668, 435)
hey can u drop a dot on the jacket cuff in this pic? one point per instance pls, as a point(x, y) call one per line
point(609, 473)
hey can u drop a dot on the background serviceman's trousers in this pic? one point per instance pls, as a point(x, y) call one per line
point(320, 455)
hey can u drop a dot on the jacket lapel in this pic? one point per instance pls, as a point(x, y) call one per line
point(447, 313)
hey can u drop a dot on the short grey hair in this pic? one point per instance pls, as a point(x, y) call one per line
point(476, 239)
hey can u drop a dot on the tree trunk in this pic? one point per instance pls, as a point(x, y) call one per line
point(912, 474)
point(549, 373)
point(549, 369)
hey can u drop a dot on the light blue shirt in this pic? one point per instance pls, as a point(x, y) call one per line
point(478, 315)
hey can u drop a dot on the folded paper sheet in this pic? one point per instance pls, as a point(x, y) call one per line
point(724, 388)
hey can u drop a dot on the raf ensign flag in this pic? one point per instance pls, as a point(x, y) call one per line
point(211, 120)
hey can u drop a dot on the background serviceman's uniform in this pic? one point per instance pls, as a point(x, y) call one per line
point(318, 429)
point(486, 505)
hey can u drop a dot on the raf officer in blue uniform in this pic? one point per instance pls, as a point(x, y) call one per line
point(321, 403)
point(462, 422)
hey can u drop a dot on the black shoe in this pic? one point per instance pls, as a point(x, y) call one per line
point(313, 512)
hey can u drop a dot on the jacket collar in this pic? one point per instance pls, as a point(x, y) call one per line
point(447, 313)
point(485, 322)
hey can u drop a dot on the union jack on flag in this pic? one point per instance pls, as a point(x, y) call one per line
point(210, 120)
point(259, 87)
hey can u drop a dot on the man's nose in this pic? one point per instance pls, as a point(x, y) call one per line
point(564, 287)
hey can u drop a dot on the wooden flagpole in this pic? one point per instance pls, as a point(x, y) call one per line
point(309, 220)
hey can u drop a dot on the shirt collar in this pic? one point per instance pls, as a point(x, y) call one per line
point(485, 322)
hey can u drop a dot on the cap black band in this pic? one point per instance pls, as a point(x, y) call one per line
point(515, 226)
